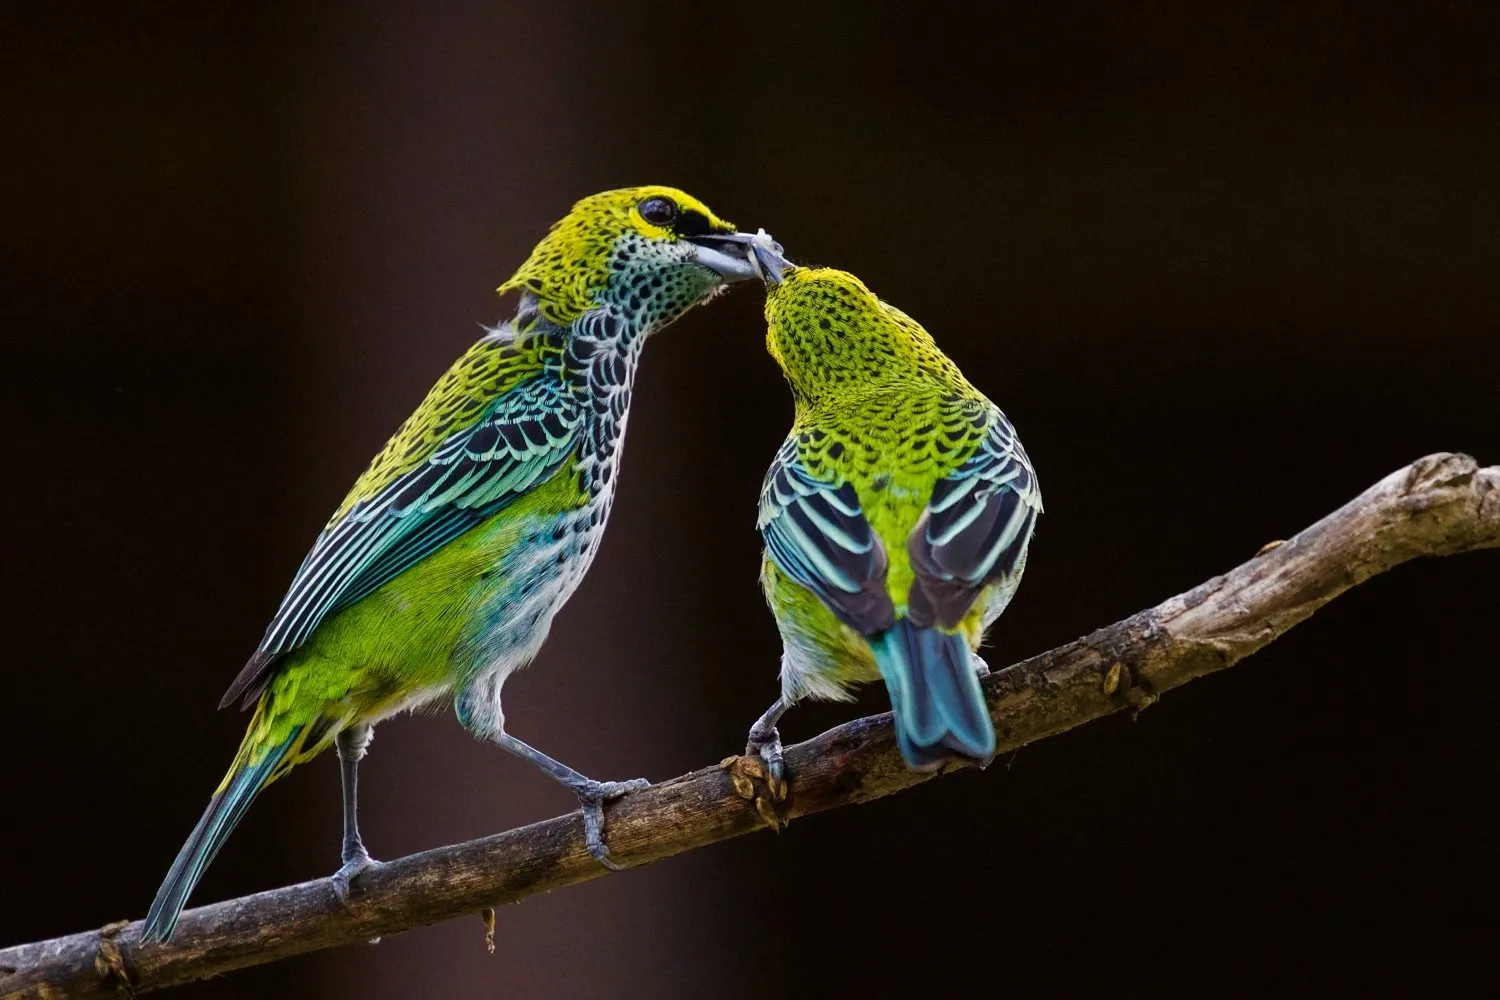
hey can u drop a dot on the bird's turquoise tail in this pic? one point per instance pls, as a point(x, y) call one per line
point(935, 695)
point(225, 810)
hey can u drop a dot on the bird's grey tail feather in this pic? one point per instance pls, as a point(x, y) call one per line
point(935, 695)
point(224, 812)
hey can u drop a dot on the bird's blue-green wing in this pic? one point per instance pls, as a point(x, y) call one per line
point(976, 527)
point(816, 533)
point(519, 439)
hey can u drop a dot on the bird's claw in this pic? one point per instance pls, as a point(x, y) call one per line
point(769, 753)
point(592, 796)
point(354, 865)
point(759, 777)
point(766, 744)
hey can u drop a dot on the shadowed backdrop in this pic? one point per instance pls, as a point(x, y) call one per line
point(1223, 269)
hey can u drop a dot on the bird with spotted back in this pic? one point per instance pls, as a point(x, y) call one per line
point(896, 518)
point(441, 571)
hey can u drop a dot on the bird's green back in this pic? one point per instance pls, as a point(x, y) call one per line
point(878, 405)
point(491, 367)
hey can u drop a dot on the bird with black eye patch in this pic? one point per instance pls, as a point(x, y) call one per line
point(896, 518)
point(440, 573)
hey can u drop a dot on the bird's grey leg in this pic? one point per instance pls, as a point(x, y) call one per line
point(478, 709)
point(591, 794)
point(351, 744)
point(764, 742)
point(980, 667)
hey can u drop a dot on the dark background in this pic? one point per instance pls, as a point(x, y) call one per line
point(1223, 267)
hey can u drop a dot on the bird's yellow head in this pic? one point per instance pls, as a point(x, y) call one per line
point(831, 334)
point(647, 254)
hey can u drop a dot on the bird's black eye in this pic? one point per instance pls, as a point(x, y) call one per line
point(658, 211)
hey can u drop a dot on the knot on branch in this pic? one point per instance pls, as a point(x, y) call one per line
point(1441, 471)
point(109, 959)
point(748, 778)
point(1133, 689)
point(1453, 498)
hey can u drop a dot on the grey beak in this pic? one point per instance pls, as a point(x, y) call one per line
point(738, 256)
point(766, 256)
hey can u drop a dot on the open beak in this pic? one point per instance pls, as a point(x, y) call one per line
point(738, 256)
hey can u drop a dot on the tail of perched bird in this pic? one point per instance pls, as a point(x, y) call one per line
point(254, 767)
point(935, 695)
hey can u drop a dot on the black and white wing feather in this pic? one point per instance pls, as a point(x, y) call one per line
point(817, 534)
point(976, 527)
point(521, 439)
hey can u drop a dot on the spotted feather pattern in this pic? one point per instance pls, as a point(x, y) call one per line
point(484, 372)
point(575, 260)
point(890, 444)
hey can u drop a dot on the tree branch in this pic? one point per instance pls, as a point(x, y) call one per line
point(1440, 505)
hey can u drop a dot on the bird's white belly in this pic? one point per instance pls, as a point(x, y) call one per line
point(534, 580)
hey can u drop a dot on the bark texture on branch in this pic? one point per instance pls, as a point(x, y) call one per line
point(1439, 505)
